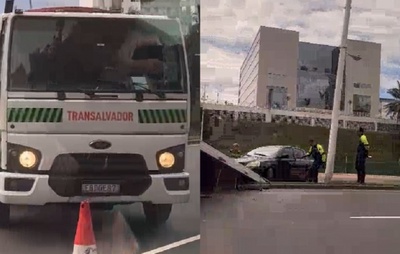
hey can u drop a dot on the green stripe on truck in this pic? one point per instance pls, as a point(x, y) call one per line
point(162, 116)
point(34, 115)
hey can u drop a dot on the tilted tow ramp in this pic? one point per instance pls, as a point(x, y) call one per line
point(258, 181)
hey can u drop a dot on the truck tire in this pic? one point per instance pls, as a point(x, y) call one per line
point(4, 215)
point(157, 214)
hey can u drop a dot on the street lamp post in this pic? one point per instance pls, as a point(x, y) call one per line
point(330, 162)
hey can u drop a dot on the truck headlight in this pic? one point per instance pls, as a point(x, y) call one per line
point(27, 159)
point(166, 160)
point(253, 164)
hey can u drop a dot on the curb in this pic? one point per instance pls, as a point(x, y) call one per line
point(342, 186)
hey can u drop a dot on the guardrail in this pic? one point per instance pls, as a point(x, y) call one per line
point(310, 118)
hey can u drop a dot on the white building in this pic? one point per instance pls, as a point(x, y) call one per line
point(268, 75)
point(279, 71)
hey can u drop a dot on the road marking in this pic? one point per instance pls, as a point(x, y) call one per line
point(303, 192)
point(331, 191)
point(375, 217)
point(173, 245)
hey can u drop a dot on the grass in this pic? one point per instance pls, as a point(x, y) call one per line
point(385, 148)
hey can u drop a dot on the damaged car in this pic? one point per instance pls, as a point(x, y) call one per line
point(278, 163)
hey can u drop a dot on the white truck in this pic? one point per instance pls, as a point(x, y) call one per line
point(94, 106)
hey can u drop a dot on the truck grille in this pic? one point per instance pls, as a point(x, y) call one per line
point(98, 164)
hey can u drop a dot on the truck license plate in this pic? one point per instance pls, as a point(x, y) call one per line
point(101, 188)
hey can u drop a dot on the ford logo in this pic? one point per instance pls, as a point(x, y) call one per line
point(100, 144)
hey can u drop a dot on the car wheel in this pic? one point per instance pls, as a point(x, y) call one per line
point(239, 187)
point(4, 215)
point(157, 214)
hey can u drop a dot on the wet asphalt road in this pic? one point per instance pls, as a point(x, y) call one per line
point(183, 224)
point(295, 221)
point(51, 229)
point(40, 230)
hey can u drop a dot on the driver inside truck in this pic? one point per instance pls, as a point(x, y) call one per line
point(94, 50)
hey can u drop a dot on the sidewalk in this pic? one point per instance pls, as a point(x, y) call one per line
point(370, 179)
point(345, 181)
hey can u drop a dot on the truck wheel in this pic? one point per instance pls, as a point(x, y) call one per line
point(4, 215)
point(157, 214)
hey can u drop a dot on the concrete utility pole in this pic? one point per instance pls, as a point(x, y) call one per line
point(330, 162)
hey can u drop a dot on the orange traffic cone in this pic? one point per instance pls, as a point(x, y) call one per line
point(85, 242)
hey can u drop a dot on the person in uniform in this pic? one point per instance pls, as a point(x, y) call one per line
point(361, 156)
point(317, 152)
point(235, 151)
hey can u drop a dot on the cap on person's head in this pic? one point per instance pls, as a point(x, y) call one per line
point(311, 139)
point(235, 144)
point(361, 129)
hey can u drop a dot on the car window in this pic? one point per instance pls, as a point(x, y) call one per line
point(299, 153)
point(287, 151)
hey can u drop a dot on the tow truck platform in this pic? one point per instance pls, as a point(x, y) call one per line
point(221, 172)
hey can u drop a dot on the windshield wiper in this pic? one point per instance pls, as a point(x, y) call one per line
point(131, 89)
point(61, 96)
point(159, 94)
point(92, 94)
point(61, 93)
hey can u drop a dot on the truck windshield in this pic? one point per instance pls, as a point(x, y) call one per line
point(68, 54)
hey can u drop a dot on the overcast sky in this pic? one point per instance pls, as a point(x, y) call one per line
point(228, 27)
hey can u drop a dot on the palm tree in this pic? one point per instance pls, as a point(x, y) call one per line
point(393, 108)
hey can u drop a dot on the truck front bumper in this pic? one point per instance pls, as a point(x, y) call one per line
point(34, 189)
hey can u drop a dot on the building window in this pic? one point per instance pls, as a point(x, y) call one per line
point(362, 85)
point(277, 97)
point(361, 105)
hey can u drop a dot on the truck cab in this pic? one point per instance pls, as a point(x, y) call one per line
point(94, 106)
